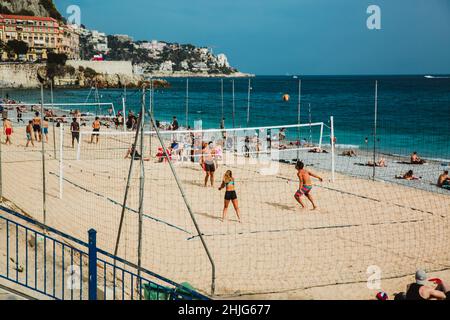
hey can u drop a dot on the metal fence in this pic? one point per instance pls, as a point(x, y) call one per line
point(55, 265)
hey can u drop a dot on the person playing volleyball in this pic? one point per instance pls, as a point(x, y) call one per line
point(229, 184)
point(305, 184)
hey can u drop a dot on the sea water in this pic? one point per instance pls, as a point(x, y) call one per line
point(413, 112)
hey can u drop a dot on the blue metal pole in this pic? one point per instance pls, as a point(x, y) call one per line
point(92, 264)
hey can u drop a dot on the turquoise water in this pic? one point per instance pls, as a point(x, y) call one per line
point(413, 111)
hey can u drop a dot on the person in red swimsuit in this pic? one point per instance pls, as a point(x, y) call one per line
point(8, 130)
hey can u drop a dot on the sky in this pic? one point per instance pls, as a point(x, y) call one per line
point(297, 37)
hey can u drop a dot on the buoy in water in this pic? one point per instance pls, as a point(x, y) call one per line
point(286, 98)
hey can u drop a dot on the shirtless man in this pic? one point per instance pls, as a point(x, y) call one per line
point(37, 127)
point(306, 185)
point(96, 127)
point(29, 131)
point(415, 159)
point(444, 180)
point(75, 130)
point(208, 163)
point(8, 130)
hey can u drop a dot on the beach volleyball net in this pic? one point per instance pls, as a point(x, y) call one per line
point(368, 225)
point(363, 226)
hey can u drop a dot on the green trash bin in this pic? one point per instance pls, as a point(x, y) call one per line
point(155, 292)
point(183, 291)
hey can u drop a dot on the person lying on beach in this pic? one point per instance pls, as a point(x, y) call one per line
point(408, 176)
point(349, 153)
point(444, 181)
point(421, 290)
point(317, 150)
point(415, 159)
point(7, 130)
point(306, 185)
point(29, 131)
point(228, 183)
point(137, 156)
point(380, 163)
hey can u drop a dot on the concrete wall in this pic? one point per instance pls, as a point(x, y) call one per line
point(23, 75)
point(105, 67)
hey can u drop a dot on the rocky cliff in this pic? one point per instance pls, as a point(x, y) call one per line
point(43, 8)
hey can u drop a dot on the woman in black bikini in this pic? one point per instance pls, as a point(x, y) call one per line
point(230, 195)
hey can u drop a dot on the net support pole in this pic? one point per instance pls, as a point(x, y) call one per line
point(333, 151)
point(321, 136)
point(299, 109)
point(248, 101)
point(127, 188)
point(1, 168)
point(223, 105)
point(234, 115)
point(53, 122)
point(79, 147)
point(141, 185)
point(124, 109)
point(375, 131)
point(180, 187)
point(187, 102)
point(44, 187)
point(61, 157)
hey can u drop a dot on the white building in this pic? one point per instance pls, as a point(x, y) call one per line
point(99, 40)
point(123, 38)
point(166, 66)
point(153, 45)
point(222, 61)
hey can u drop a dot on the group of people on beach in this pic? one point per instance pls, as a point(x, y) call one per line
point(423, 288)
point(36, 130)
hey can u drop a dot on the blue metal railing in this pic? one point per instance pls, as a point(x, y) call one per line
point(65, 268)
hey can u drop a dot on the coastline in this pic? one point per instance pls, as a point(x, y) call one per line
point(198, 75)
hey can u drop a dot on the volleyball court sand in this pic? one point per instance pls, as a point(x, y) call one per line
point(277, 248)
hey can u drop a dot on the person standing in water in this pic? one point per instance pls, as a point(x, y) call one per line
point(229, 185)
point(306, 185)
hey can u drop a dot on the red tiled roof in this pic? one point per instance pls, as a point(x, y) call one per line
point(17, 17)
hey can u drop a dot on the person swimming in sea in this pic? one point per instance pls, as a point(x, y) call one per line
point(306, 185)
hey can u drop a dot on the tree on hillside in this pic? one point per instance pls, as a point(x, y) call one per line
point(57, 58)
point(56, 65)
point(51, 9)
point(17, 46)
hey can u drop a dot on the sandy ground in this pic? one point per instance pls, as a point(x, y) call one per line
point(279, 251)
